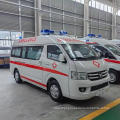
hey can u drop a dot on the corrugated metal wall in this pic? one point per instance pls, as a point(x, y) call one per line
point(101, 23)
point(118, 27)
point(69, 16)
point(14, 17)
point(61, 14)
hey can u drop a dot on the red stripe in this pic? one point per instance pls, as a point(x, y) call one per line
point(90, 42)
point(39, 68)
point(41, 84)
point(112, 61)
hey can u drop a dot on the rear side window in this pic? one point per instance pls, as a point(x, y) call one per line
point(34, 52)
point(53, 52)
point(24, 50)
point(102, 49)
point(16, 52)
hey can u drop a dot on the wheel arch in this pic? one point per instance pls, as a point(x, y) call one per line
point(14, 71)
point(111, 69)
point(50, 80)
point(117, 73)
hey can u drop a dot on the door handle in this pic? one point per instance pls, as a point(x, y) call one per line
point(47, 64)
point(40, 62)
point(20, 62)
point(23, 62)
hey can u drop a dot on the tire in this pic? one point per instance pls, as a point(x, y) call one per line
point(17, 77)
point(55, 91)
point(114, 77)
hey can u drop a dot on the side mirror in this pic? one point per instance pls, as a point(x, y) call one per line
point(107, 55)
point(110, 56)
point(62, 58)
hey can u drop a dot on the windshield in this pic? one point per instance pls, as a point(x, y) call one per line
point(95, 47)
point(118, 45)
point(4, 52)
point(114, 49)
point(80, 52)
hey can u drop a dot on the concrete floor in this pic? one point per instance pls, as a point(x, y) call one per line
point(27, 102)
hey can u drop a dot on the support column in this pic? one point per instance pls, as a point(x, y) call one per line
point(114, 21)
point(38, 24)
point(86, 17)
point(20, 24)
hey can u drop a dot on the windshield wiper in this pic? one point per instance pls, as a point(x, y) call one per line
point(80, 58)
point(88, 58)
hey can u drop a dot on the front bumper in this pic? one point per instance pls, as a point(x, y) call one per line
point(76, 84)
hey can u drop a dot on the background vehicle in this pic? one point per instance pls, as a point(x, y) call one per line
point(62, 65)
point(116, 42)
point(4, 56)
point(110, 52)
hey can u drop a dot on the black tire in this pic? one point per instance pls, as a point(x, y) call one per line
point(17, 77)
point(57, 97)
point(114, 76)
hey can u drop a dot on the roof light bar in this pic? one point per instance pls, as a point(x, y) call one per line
point(99, 36)
point(63, 32)
point(47, 32)
point(91, 35)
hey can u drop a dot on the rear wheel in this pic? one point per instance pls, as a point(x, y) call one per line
point(55, 91)
point(17, 76)
point(114, 76)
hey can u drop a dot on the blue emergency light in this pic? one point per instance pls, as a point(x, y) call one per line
point(47, 32)
point(99, 36)
point(91, 35)
point(63, 32)
point(87, 40)
point(20, 37)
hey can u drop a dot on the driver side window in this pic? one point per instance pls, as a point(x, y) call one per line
point(53, 52)
point(105, 52)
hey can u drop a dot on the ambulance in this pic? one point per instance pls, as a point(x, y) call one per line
point(116, 42)
point(110, 51)
point(62, 65)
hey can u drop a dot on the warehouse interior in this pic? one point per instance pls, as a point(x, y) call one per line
point(27, 17)
point(24, 19)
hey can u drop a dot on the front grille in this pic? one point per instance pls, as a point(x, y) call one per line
point(97, 75)
point(99, 86)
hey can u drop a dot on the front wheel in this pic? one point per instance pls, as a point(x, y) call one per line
point(55, 91)
point(114, 76)
point(17, 77)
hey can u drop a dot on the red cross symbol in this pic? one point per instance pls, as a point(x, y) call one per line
point(96, 63)
point(54, 65)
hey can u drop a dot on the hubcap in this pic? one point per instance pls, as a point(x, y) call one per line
point(112, 77)
point(16, 76)
point(54, 91)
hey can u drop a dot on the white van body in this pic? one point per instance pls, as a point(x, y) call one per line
point(113, 64)
point(39, 72)
point(116, 42)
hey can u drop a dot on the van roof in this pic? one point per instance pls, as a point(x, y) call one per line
point(47, 39)
point(97, 40)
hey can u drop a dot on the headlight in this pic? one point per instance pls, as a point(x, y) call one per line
point(78, 76)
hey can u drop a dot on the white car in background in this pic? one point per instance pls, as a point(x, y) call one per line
point(111, 53)
point(116, 42)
